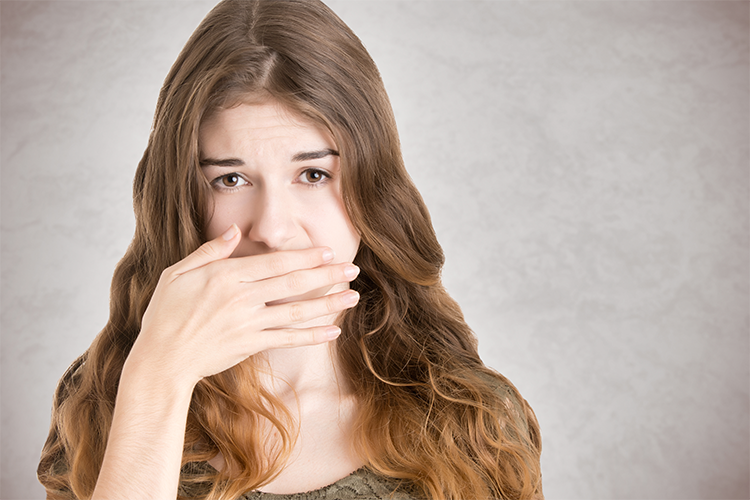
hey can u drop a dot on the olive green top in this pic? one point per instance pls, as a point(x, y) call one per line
point(359, 485)
point(362, 484)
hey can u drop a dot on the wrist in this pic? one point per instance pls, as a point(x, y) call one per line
point(150, 379)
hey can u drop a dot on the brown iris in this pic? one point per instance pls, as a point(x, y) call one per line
point(313, 176)
point(230, 180)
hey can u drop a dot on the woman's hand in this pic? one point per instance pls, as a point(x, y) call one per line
point(209, 312)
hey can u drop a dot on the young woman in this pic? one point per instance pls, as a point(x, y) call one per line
point(278, 325)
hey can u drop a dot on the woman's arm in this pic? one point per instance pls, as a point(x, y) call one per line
point(144, 449)
point(207, 314)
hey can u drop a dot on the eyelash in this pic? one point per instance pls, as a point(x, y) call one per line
point(216, 183)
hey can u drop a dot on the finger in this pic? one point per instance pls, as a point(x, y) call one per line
point(283, 315)
point(216, 249)
point(300, 282)
point(260, 267)
point(295, 337)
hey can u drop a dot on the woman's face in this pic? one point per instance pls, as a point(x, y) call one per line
point(278, 177)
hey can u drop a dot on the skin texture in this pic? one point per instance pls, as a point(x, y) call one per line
point(283, 223)
point(279, 202)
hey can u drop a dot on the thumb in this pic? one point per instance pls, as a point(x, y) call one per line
point(216, 249)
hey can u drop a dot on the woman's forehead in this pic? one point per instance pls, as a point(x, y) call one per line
point(251, 127)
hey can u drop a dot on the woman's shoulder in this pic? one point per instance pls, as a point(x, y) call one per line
point(517, 407)
point(502, 387)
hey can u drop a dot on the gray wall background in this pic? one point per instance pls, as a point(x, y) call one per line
point(586, 166)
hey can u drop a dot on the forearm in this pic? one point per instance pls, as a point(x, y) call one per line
point(145, 444)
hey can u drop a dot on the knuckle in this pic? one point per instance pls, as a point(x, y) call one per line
point(288, 338)
point(296, 313)
point(295, 281)
point(310, 337)
point(214, 281)
point(166, 273)
point(276, 264)
point(334, 275)
point(215, 284)
point(208, 250)
point(169, 274)
point(332, 304)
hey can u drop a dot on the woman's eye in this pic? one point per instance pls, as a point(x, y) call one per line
point(314, 176)
point(229, 181)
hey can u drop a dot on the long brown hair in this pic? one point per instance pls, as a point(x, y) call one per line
point(431, 415)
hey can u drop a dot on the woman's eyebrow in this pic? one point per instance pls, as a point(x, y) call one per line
point(237, 162)
point(228, 162)
point(314, 155)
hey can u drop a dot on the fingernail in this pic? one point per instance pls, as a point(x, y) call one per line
point(327, 255)
point(230, 233)
point(332, 332)
point(350, 298)
point(351, 271)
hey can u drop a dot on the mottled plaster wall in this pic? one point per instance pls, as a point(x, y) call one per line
point(586, 166)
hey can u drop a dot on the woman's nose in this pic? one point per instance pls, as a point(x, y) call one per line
point(272, 222)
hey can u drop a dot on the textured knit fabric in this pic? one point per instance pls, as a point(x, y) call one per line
point(359, 485)
point(362, 484)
